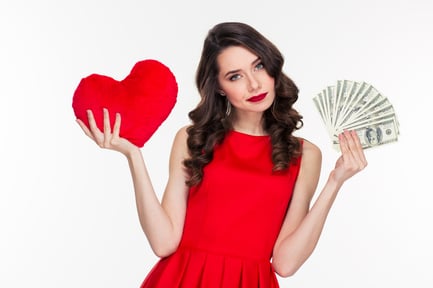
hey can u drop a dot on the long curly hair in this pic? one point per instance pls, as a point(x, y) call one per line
point(210, 123)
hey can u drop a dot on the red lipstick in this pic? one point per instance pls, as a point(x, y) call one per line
point(257, 98)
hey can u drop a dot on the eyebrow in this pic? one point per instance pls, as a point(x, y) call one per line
point(237, 70)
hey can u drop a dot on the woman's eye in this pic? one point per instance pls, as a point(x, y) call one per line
point(260, 66)
point(235, 77)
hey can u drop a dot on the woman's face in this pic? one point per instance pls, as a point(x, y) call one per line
point(244, 80)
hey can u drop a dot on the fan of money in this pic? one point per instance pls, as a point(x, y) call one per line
point(352, 105)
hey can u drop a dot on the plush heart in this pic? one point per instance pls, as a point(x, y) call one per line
point(144, 99)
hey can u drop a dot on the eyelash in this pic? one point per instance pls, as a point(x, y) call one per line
point(259, 66)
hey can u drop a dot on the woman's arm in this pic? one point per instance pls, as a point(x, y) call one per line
point(302, 226)
point(163, 222)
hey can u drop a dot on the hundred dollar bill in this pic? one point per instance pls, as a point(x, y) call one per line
point(322, 106)
point(329, 101)
point(375, 135)
point(351, 105)
point(368, 120)
point(319, 105)
point(366, 100)
point(355, 93)
point(341, 95)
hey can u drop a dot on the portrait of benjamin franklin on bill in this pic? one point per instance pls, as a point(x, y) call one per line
point(373, 136)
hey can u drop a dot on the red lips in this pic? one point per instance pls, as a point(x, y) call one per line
point(257, 98)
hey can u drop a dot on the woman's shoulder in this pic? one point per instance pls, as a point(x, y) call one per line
point(311, 162)
point(310, 150)
point(182, 132)
point(181, 136)
point(180, 142)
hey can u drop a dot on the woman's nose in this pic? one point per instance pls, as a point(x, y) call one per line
point(253, 83)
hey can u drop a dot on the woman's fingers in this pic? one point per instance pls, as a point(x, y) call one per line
point(97, 134)
point(116, 127)
point(108, 138)
point(101, 138)
point(84, 128)
point(352, 151)
point(344, 147)
point(92, 122)
point(107, 128)
point(358, 148)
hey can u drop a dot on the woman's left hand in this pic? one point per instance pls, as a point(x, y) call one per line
point(352, 159)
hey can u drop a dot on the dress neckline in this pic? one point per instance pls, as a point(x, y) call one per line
point(246, 134)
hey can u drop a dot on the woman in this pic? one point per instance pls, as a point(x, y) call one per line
point(236, 209)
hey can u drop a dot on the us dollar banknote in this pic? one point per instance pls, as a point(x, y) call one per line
point(353, 105)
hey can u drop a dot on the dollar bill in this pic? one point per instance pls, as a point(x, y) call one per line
point(341, 96)
point(356, 91)
point(353, 105)
point(375, 134)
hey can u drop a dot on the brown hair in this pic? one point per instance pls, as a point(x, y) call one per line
point(209, 121)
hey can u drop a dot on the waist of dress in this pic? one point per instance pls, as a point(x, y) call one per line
point(249, 257)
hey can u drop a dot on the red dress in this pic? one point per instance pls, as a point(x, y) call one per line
point(232, 221)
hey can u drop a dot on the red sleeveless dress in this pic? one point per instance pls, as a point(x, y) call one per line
point(232, 221)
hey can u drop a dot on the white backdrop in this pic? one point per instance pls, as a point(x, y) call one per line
point(67, 210)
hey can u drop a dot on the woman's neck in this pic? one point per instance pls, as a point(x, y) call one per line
point(249, 123)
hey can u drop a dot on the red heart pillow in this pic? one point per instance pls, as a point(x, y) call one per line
point(144, 99)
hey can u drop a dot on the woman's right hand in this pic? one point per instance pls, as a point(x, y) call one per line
point(108, 139)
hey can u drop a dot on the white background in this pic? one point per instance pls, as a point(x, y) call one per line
point(67, 210)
